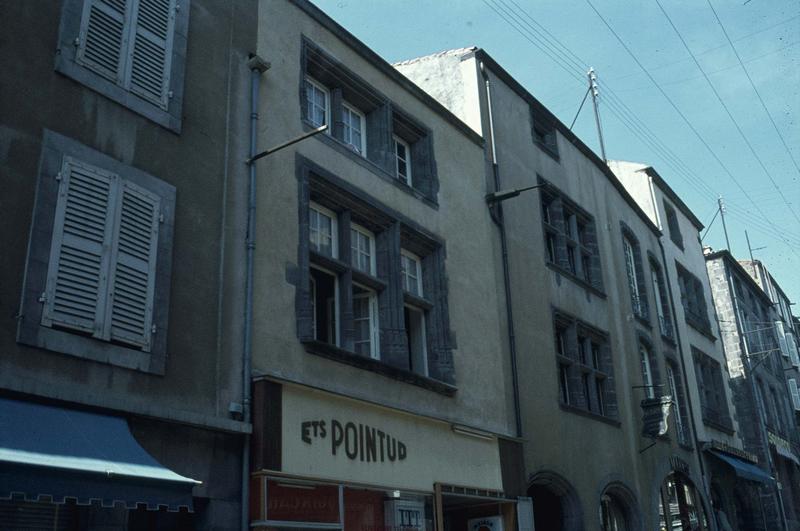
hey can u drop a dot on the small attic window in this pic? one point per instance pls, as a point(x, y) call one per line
point(544, 132)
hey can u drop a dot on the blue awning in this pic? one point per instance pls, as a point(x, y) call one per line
point(743, 469)
point(56, 453)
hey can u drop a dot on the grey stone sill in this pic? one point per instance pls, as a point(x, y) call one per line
point(669, 339)
point(725, 427)
point(686, 446)
point(590, 415)
point(419, 302)
point(576, 279)
point(368, 164)
point(643, 320)
point(368, 280)
point(341, 355)
point(706, 331)
point(332, 264)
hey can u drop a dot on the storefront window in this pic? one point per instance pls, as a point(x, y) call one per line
point(679, 507)
point(612, 515)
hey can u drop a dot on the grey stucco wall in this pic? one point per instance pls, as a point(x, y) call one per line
point(459, 219)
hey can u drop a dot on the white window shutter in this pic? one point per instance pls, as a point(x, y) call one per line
point(103, 37)
point(133, 267)
point(795, 392)
point(150, 53)
point(791, 343)
point(77, 275)
point(782, 339)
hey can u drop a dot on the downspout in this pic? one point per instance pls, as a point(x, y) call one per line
point(512, 342)
point(681, 357)
point(257, 67)
point(762, 428)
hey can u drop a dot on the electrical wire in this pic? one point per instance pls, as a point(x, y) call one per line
point(727, 110)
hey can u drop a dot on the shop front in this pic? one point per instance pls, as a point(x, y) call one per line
point(680, 506)
point(321, 461)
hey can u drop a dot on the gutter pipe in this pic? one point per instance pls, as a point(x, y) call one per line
point(512, 342)
point(257, 67)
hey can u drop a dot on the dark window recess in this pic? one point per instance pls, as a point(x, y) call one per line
point(570, 237)
point(349, 314)
point(412, 164)
point(543, 130)
point(711, 385)
point(693, 300)
point(673, 225)
point(585, 367)
point(661, 301)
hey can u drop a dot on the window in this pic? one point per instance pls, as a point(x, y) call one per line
point(317, 103)
point(673, 225)
point(585, 373)
point(693, 300)
point(570, 241)
point(646, 362)
point(131, 52)
point(662, 308)
point(795, 393)
point(633, 268)
point(322, 230)
point(543, 131)
point(402, 155)
point(362, 244)
point(353, 129)
point(710, 384)
point(411, 272)
point(338, 300)
point(365, 322)
point(679, 414)
point(364, 123)
point(103, 251)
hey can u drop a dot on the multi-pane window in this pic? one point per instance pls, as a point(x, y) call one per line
point(365, 322)
point(676, 390)
point(585, 374)
point(322, 230)
point(693, 299)
point(662, 308)
point(710, 384)
point(402, 157)
point(411, 273)
point(632, 264)
point(338, 315)
point(362, 243)
point(646, 362)
point(543, 131)
point(316, 103)
point(353, 129)
point(570, 241)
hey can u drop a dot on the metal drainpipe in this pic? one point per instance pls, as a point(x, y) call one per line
point(681, 357)
point(257, 67)
point(762, 428)
point(512, 342)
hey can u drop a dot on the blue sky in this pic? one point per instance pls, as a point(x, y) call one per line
point(639, 123)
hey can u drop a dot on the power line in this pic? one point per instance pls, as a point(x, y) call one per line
point(727, 110)
point(674, 106)
point(747, 74)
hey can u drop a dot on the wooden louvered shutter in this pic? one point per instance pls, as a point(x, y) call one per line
point(103, 38)
point(77, 276)
point(150, 53)
point(795, 392)
point(133, 267)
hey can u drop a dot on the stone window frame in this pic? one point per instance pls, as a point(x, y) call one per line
point(673, 225)
point(580, 236)
point(393, 233)
point(693, 300)
point(30, 330)
point(383, 121)
point(645, 344)
point(544, 132)
point(711, 386)
point(66, 64)
point(639, 302)
point(680, 412)
point(663, 311)
point(583, 375)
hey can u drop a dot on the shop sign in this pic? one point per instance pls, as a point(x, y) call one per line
point(655, 412)
point(490, 523)
point(723, 447)
point(288, 502)
point(358, 441)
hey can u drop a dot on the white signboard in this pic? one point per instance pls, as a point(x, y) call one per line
point(329, 437)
